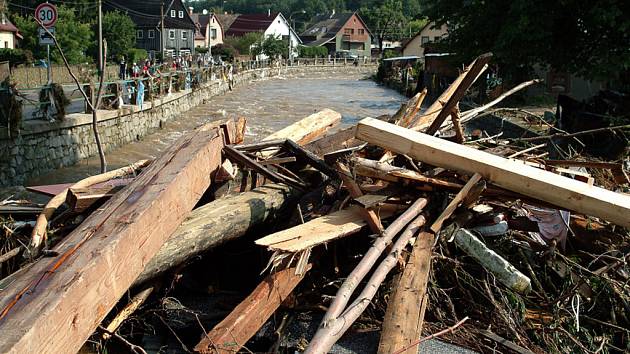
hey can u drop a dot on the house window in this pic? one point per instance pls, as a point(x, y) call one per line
point(361, 31)
point(172, 13)
point(348, 31)
point(139, 34)
point(436, 38)
point(151, 33)
point(424, 40)
point(184, 34)
point(6, 44)
point(171, 34)
point(181, 14)
point(213, 33)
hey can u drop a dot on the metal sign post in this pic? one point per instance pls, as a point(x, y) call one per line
point(46, 14)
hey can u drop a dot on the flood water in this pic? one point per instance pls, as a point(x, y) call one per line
point(268, 105)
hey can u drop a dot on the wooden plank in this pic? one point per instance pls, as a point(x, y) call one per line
point(450, 208)
point(59, 301)
point(246, 319)
point(318, 231)
point(404, 317)
point(54, 189)
point(369, 215)
point(80, 199)
point(341, 139)
point(20, 209)
point(309, 128)
point(444, 105)
point(543, 185)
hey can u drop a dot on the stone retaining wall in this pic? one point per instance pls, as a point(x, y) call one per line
point(43, 146)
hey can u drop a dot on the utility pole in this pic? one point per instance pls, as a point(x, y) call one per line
point(100, 38)
point(162, 30)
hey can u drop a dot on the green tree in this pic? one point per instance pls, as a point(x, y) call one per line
point(274, 47)
point(244, 43)
point(120, 33)
point(386, 21)
point(589, 38)
point(74, 37)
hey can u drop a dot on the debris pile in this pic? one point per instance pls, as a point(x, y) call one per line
point(404, 227)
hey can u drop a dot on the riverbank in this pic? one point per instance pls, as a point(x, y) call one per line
point(43, 146)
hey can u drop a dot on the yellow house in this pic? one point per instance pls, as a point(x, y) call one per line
point(9, 34)
point(429, 33)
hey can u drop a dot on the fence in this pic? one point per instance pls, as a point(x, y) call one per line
point(36, 76)
point(35, 102)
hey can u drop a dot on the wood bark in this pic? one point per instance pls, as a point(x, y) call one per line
point(369, 259)
point(505, 272)
point(226, 218)
point(513, 175)
point(218, 222)
point(404, 316)
point(332, 329)
point(246, 319)
point(59, 301)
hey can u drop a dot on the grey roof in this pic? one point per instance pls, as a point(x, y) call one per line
point(325, 28)
point(226, 20)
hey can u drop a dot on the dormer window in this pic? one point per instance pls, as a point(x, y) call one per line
point(173, 13)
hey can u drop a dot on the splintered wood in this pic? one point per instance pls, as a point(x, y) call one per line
point(58, 302)
point(318, 231)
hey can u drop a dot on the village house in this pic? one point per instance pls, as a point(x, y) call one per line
point(179, 28)
point(416, 45)
point(208, 31)
point(271, 24)
point(341, 33)
point(9, 34)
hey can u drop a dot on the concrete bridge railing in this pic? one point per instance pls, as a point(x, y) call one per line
point(42, 146)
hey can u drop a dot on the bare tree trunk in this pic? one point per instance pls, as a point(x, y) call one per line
point(80, 88)
point(96, 104)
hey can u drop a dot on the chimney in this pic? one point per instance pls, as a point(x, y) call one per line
point(190, 11)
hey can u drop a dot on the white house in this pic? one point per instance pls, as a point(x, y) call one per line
point(270, 24)
point(428, 34)
point(9, 34)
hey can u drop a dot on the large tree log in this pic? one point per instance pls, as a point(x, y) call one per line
point(59, 301)
point(217, 222)
point(246, 319)
point(228, 218)
point(514, 175)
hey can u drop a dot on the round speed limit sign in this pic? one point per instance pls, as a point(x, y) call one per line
point(47, 14)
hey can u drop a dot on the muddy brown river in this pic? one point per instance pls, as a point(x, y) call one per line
point(268, 105)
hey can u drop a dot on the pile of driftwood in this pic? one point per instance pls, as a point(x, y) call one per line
point(383, 226)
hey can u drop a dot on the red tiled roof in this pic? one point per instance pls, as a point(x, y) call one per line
point(251, 23)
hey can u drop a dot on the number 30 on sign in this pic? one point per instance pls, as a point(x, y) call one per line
point(46, 14)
